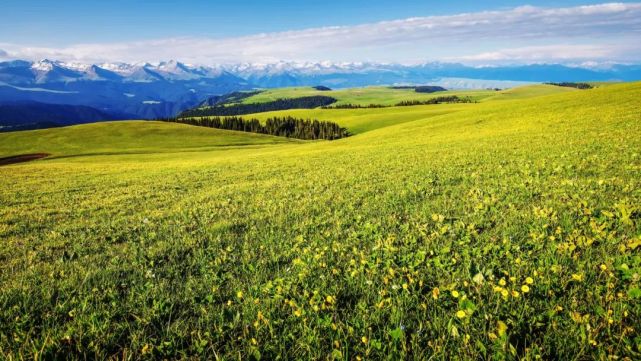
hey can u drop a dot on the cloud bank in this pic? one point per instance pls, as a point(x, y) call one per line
point(605, 32)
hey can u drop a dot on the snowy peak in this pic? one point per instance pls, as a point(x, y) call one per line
point(46, 71)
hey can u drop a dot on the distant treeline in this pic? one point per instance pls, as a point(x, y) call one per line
point(242, 109)
point(228, 98)
point(573, 85)
point(405, 103)
point(422, 88)
point(355, 106)
point(310, 129)
point(322, 88)
point(436, 100)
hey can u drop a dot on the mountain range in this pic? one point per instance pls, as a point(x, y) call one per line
point(145, 90)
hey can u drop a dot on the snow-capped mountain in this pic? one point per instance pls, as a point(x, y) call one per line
point(138, 90)
point(350, 74)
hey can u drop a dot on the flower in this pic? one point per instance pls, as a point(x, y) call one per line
point(525, 289)
point(577, 277)
point(460, 314)
point(603, 267)
point(502, 282)
point(364, 339)
point(435, 293)
point(239, 294)
point(529, 280)
point(455, 293)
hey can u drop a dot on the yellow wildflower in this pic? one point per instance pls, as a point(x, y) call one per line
point(435, 293)
point(364, 340)
point(460, 314)
point(577, 277)
point(529, 280)
point(455, 293)
point(501, 327)
point(525, 289)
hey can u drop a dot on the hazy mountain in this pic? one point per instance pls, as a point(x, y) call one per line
point(33, 115)
point(362, 74)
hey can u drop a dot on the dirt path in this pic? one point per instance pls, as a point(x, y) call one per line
point(22, 158)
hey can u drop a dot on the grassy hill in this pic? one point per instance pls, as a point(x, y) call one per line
point(127, 137)
point(363, 120)
point(504, 229)
point(362, 96)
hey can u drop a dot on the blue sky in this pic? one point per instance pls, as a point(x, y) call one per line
point(268, 31)
point(47, 22)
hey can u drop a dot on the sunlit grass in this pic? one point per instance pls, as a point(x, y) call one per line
point(499, 230)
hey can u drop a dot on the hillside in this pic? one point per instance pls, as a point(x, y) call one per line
point(127, 137)
point(508, 228)
point(361, 96)
point(365, 119)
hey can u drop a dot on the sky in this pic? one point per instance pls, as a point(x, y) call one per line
point(412, 31)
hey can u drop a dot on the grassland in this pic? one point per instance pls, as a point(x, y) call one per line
point(127, 137)
point(499, 230)
point(363, 96)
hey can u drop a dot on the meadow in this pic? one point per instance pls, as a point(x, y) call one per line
point(504, 229)
point(364, 96)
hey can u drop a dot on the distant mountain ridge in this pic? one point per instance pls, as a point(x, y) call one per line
point(142, 90)
point(145, 90)
point(25, 115)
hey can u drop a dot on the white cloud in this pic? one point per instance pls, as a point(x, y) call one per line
point(557, 52)
point(533, 33)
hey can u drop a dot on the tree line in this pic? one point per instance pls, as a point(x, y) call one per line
point(436, 100)
point(228, 98)
point(355, 106)
point(309, 102)
point(405, 103)
point(309, 129)
point(573, 85)
point(421, 88)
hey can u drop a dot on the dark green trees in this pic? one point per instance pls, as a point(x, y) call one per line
point(291, 127)
point(310, 102)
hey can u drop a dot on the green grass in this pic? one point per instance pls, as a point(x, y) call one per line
point(529, 91)
point(412, 240)
point(363, 96)
point(363, 120)
point(127, 137)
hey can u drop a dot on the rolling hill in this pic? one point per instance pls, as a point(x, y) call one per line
point(508, 228)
